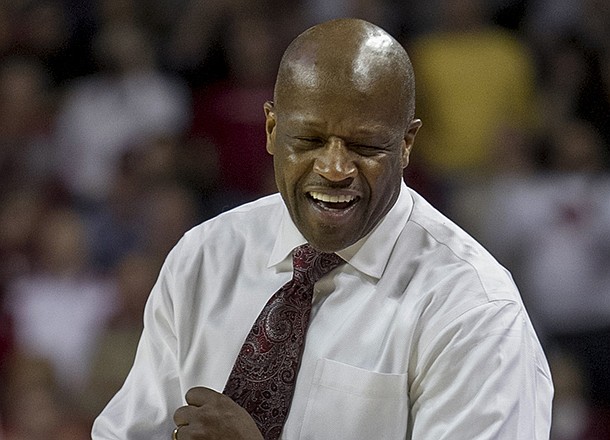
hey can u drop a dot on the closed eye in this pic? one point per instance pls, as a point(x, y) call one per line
point(367, 150)
point(310, 142)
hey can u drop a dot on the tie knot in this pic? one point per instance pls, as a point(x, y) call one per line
point(309, 265)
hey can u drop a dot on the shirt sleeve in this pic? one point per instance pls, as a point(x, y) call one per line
point(483, 376)
point(143, 408)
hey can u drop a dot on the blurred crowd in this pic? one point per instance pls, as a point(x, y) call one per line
point(123, 123)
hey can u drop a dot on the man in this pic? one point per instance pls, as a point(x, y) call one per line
point(418, 334)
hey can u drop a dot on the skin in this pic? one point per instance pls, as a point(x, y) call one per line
point(340, 129)
point(212, 415)
point(341, 125)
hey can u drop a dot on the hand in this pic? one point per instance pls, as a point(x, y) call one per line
point(212, 415)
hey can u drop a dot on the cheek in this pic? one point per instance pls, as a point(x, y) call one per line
point(289, 169)
point(383, 180)
point(378, 174)
point(293, 166)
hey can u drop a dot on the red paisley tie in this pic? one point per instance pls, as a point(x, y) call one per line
point(263, 377)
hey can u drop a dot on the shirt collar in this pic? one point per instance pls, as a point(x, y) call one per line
point(369, 255)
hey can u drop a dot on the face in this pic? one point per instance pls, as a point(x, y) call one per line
point(338, 159)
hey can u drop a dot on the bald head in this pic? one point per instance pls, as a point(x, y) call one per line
point(341, 128)
point(348, 56)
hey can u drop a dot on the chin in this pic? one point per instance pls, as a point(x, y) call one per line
point(330, 243)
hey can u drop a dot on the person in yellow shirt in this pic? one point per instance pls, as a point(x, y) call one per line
point(475, 79)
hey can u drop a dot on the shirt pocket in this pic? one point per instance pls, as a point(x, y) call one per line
point(347, 402)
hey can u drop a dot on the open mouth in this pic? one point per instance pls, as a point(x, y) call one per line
point(328, 201)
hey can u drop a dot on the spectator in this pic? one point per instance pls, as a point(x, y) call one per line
point(105, 115)
point(36, 407)
point(59, 308)
point(169, 210)
point(552, 230)
point(26, 154)
point(227, 113)
point(474, 79)
point(114, 352)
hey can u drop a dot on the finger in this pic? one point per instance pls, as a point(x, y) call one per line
point(183, 432)
point(184, 415)
point(199, 396)
point(176, 432)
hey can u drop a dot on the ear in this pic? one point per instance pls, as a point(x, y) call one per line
point(409, 140)
point(270, 123)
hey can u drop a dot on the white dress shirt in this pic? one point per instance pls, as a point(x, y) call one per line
point(420, 335)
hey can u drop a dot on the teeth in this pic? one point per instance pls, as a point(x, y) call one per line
point(331, 199)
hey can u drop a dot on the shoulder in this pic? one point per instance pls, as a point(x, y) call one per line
point(254, 217)
point(217, 252)
point(255, 222)
point(459, 288)
point(451, 260)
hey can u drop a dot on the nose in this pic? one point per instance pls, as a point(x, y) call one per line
point(334, 162)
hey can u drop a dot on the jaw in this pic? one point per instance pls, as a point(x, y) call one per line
point(334, 225)
point(331, 226)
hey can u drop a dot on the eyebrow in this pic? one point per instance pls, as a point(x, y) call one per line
point(318, 125)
